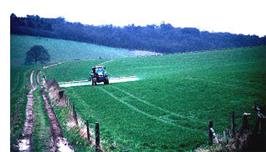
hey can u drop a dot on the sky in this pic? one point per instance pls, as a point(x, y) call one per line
point(235, 16)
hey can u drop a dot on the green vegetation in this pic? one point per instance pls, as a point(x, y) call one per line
point(71, 72)
point(62, 50)
point(19, 89)
point(41, 134)
point(166, 110)
point(169, 107)
point(73, 136)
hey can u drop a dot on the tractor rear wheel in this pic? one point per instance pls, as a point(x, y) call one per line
point(106, 81)
point(93, 81)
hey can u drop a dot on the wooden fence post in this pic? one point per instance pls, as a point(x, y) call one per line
point(260, 122)
point(245, 125)
point(225, 134)
point(97, 136)
point(233, 124)
point(67, 102)
point(210, 132)
point(75, 115)
point(88, 131)
point(61, 94)
point(263, 125)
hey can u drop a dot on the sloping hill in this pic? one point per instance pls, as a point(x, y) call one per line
point(169, 107)
point(62, 50)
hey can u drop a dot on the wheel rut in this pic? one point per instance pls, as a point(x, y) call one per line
point(25, 142)
point(59, 142)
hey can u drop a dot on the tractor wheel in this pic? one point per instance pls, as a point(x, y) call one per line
point(106, 81)
point(93, 81)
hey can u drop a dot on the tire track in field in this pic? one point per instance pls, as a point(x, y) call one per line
point(52, 65)
point(159, 108)
point(221, 84)
point(102, 63)
point(147, 114)
point(136, 109)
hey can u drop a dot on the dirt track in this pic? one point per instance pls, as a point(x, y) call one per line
point(25, 143)
point(86, 82)
point(60, 143)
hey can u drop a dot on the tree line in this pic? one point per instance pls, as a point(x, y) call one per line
point(162, 38)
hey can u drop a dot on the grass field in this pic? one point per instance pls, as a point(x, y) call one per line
point(62, 50)
point(19, 80)
point(169, 107)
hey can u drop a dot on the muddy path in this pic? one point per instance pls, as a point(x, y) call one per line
point(86, 82)
point(60, 143)
point(25, 142)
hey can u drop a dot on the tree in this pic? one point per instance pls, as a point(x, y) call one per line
point(36, 54)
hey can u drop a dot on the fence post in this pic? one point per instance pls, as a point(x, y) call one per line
point(75, 115)
point(263, 126)
point(233, 123)
point(260, 123)
point(67, 101)
point(226, 136)
point(97, 136)
point(210, 132)
point(88, 131)
point(245, 125)
point(61, 94)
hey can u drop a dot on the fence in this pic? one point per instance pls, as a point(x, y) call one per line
point(240, 138)
point(72, 110)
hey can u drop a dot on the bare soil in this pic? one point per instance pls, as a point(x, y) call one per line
point(25, 143)
point(60, 143)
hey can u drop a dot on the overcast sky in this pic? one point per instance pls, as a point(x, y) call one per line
point(235, 16)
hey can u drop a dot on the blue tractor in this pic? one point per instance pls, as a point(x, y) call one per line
point(98, 75)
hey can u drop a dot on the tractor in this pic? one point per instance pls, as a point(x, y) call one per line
point(98, 75)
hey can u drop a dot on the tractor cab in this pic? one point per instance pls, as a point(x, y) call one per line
point(99, 70)
point(98, 75)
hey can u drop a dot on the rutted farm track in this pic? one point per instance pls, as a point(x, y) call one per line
point(25, 143)
point(59, 142)
point(35, 128)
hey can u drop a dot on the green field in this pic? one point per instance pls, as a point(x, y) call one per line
point(62, 50)
point(169, 107)
point(19, 89)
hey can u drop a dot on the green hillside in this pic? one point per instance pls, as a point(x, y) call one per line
point(62, 50)
point(169, 107)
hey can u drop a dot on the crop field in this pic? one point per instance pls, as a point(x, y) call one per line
point(62, 50)
point(176, 96)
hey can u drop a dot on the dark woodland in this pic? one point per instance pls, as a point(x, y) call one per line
point(162, 38)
